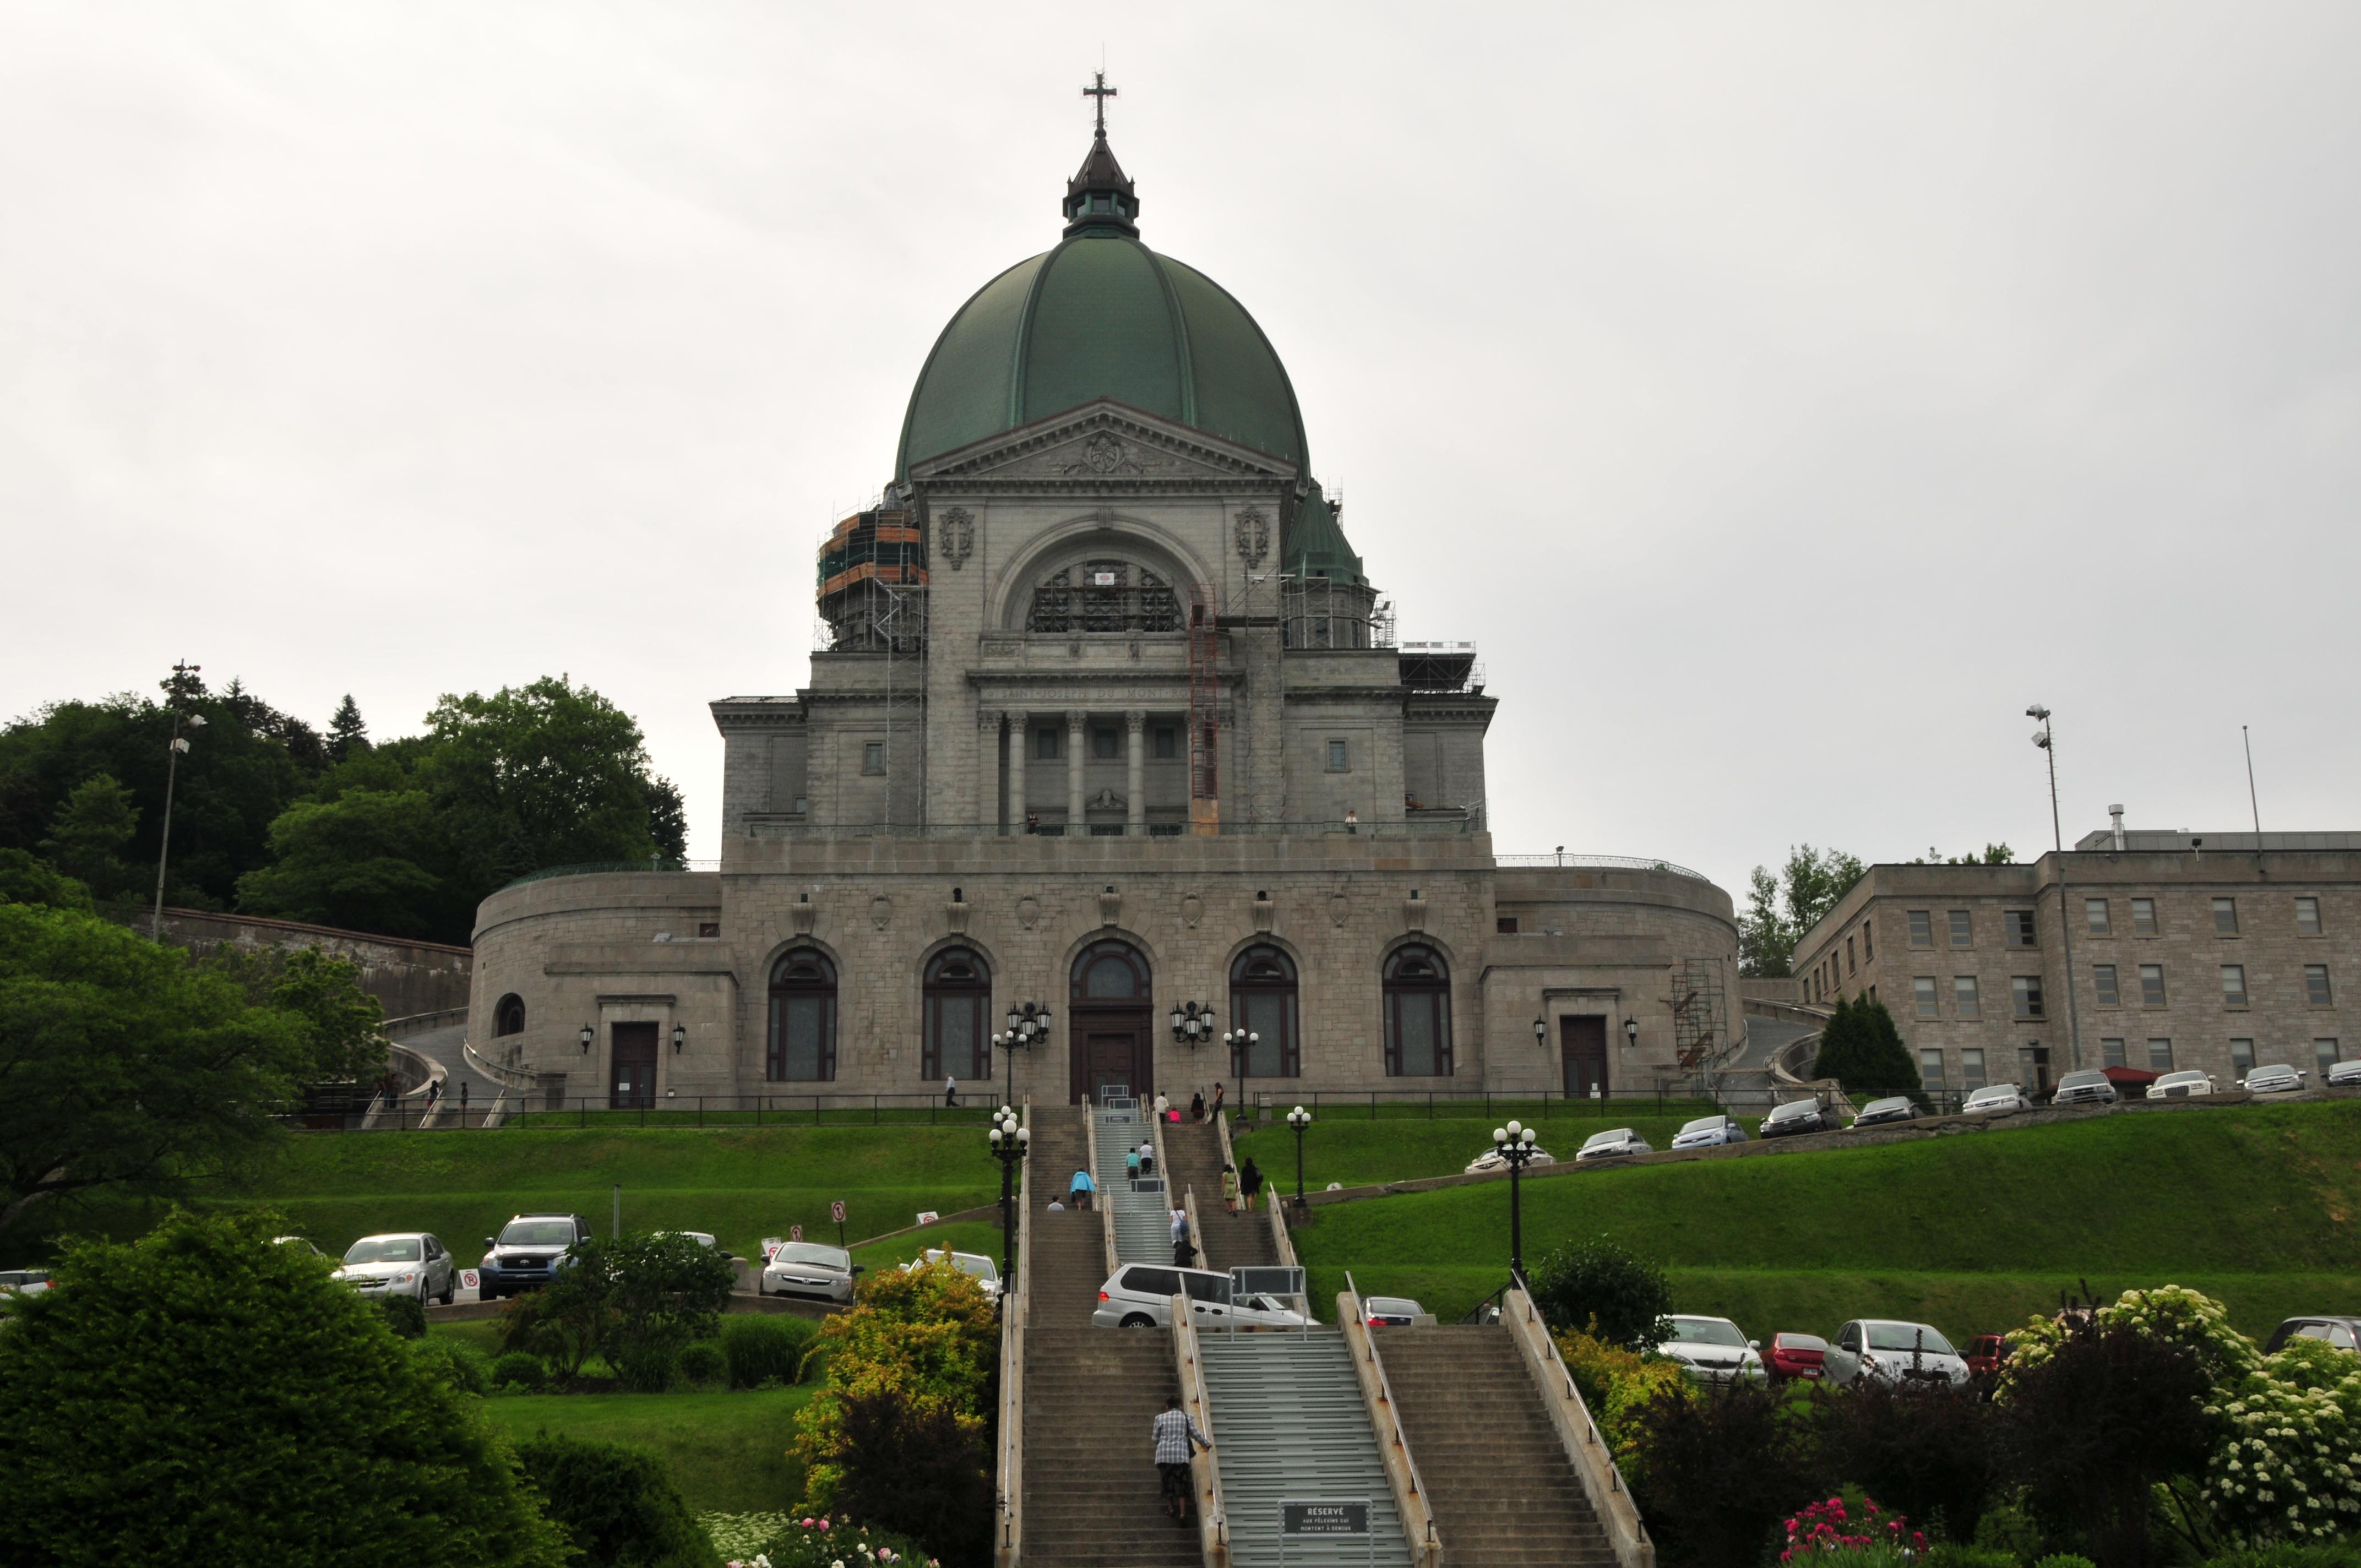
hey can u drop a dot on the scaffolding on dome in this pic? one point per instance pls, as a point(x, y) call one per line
point(873, 577)
point(1319, 612)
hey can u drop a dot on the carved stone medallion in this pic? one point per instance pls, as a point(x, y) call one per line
point(881, 912)
point(1340, 908)
point(957, 536)
point(1193, 909)
point(1251, 531)
point(1028, 911)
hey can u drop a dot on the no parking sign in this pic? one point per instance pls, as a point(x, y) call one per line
point(470, 1279)
point(795, 1232)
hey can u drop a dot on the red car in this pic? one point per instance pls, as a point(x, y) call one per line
point(1795, 1355)
point(1984, 1354)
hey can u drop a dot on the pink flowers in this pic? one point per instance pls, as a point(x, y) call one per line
point(1827, 1526)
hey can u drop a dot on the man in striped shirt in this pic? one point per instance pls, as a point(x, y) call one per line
point(1174, 1432)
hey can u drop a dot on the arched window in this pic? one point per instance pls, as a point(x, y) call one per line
point(803, 1019)
point(1418, 1014)
point(1262, 1002)
point(1110, 972)
point(508, 1014)
point(1103, 596)
point(959, 1009)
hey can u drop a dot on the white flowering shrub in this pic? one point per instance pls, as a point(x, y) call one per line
point(2197, 1323)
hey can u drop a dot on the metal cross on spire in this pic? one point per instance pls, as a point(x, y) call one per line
point(1102, 92)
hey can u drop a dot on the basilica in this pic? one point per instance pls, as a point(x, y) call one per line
point(1112, 773)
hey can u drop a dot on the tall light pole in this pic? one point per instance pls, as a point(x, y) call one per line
point(172, 755)
point(1009, 1144)
point(1299, 1118)
point(1027, 1021)
point(1242, 1043)
point(2041, 737)
point(1514, 1142)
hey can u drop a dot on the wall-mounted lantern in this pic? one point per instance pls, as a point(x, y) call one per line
point(587, 1035)
point(679, 1037)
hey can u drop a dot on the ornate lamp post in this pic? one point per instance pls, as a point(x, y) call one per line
point(172, 755)
point(1242, 1043)
point(1009, 1144)
point(1299, 1118)
point(1514, 1142)
point(1027, 1021)
point(1192, 1023)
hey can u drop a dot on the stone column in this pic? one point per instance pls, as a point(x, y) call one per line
point(1020, 736)
point(1077, 735)
point(987, 769)
point(1135, 720)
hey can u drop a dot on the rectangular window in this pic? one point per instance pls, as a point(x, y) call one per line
point(1930, 1070)
point(1929, 1006)
point(2160, 1056)
point(2242, 1058)
point(2111, 1053)
point(1168, 741)
point(2024, 990)
point(2324, 1055)
point(1963, 996)
point(1922, 927)
point(2018, 922)
point(1103, 743)
point(1971, 1070)
point(1851, 966)
point(1868, 941)
point(2151, 985)
point(2143, 917)
point(2233, 985)
point(1505, 924)
point(2307, 917)
point(1962, 933)
point(2315, 986)
point(1045, 745)
point(2226, 916)
point(2103, 979)
point(872, 756)
point(709, 929)
point(1336, 755)
point(2095, 915)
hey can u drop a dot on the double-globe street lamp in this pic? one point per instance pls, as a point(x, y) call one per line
point(1027, 1021)
point(1515, 1144)
point(1010, 1142)
point(1299, 1118)
point(1242, 1044)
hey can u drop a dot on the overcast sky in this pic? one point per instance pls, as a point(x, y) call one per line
point(1783, 396)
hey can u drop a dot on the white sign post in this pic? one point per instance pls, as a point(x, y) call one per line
point(1303, 1517)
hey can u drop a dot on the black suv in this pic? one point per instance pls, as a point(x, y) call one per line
point(529, 1251)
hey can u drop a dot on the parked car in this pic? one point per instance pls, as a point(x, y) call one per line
point(1884, 1112)
point(986, 1273)
point(1139, 1295)
point(24, 1281)
point(1795, 1355)
point(1393, 1311)
point(528, 1253)
point(1993, 1098)
point(2182, 1085)
point(1490, 1160)
point(299, 1243)
point(1712, 1350)
point(1884, 1350)
point(2088, 1086)
point(1794, 1117)
point(808, 1268)
point(2343, 1074)
point(1610, 1144)
point(400, 1263)
point(1985, 1353)
point(2345, 1333)
point(2277, 1079)
point(1708, 1132)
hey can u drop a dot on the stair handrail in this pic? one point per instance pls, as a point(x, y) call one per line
point(1016, 1310)
point(1163, 1167)
point(1197, 1402)
point(1196, 1232)
point(499, 1112)
point(1101, 1196)
point(1593, 1456)
point(1278, 1221)
point(506, 1077)
point(1385, 1416)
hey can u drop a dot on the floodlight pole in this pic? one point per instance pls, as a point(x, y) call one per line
point(2065, 919)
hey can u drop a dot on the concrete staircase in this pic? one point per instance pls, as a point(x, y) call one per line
point(1232, 1241)
point(1289, 1422)
point(1499, 1501)
point(1089, 1489)
point(1143, 1225)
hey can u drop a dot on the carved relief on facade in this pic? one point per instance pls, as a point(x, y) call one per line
point(1250, 530)
point(956, 536)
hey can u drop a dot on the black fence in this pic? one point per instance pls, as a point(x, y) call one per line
point(532, 1108)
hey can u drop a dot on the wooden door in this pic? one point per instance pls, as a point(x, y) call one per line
point(1582, 1051)
point(632, 1075)
point(1110, 1060)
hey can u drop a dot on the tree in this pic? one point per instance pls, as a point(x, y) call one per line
point(124, 1065)
point(1585, 1282)
point(1931, 1452)
point(1861, 1049)
point(1993, 855)
point(203, 1396)
point(90, 833)
point(24, 879)
point(1718, 1472)
point(667, 818)
point(347, 733)
point(664, 1292)
point(322, 995)
point(1780, 909)
point(616, 1506)
point(368, 860)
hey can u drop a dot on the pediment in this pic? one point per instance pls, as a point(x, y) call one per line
point(1103, 442)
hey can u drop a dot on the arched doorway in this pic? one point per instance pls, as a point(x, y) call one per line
point(1110, 1015)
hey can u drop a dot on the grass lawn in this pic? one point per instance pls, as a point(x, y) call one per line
point(965, 1236)
point(727, 1452)
point(1971, 1233)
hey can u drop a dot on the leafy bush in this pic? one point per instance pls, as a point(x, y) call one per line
point(405, 1315)
point(2288, 1556)
point(1949, 1554)
point(2064, 1560)
point(1718, 1472)
point(457, 1364)
point(1837, 1533)
point(1930, 1452)
point(820, 1541)
point(517, 1370)
point(1617, 1384)
point(202, 1396)
point(703, 1363)
point(1598, 1287)
point(615, 1504)
point(2009, 1533)
point(762, 1347)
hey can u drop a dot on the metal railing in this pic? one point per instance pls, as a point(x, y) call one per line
point(1422, 827)
point(1212, 1514)
point(526, 1109)
point(1101, 1198)
point(657, 863)
point(1490, 1105)
point(1016, 1312)
point(1384, 1415)
point(506, 1077)
point(1602, 863)
point(1593, 1457)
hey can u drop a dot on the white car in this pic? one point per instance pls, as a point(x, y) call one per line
point(1490, 1160)
point(1994, 1097)
point(24, 1281)
point(808, 1268)
point(986, 1272)
point(1611, 1144)
point(1139, 1295)
point(2182, 1085)
point(299, 1243)
point(1711, 1350)
point(400, 1263)
point(2277, 1079)
point(1883, 1351)
point(2345, 1075)
point(1708, 1132)
point(703, 1238)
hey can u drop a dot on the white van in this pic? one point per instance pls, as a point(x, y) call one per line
point(1139, 1295)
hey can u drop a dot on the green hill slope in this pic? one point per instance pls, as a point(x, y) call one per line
point(1971, 1233)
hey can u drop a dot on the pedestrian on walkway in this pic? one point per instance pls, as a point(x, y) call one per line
point(1219, 1093)
point(434, 1091)
point(1131, 1164)
point(1250, 1182)
point(462, 1099)
point(1163, 1107)
point(1173, 1432)
point(1079, 1190)
point(1148, 1159)
point(1197, 1106)
point(1230, 1188)
point(1183, 1255)
point(950, 1092)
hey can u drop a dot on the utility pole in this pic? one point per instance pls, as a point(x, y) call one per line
point(172, 755)
point(2065, 923)
point(2253, 804)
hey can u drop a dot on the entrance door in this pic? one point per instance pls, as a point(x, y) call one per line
point(1582, 1051)
point(1110, 1062)
point(2033, 1070)
point(631, 1083)
point(1109, 1023)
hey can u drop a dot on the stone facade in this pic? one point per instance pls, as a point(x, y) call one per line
point(2250, 947)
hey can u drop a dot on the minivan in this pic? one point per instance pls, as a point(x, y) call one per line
point(1139, 1295)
